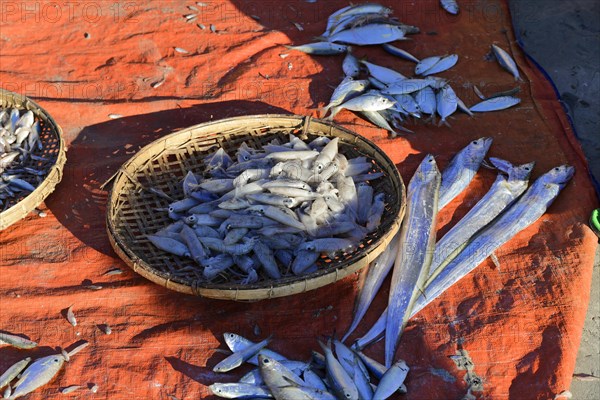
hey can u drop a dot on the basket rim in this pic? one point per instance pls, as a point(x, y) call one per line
point(21, 209)
point(272, 290)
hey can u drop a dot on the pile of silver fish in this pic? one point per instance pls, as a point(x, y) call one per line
point(272, 212)
point(424, 269)
point(30, 377)
point(339, 373)
point(19, 137)
point(383, 96)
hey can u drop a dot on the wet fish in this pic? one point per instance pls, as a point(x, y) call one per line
point(16, 341)
point(320, 48)
point(451, 6)
point(399, 52)
point(369, 35)
point(378, 271)
point(524, 212)
point(446, 102)
point(462, 169)
point(370, 101)
point(13, 371)
point(385, 75)
point(391, 381)
point(37, 374)
point(495, 104)
point(417, 240)
point(239, 391)
point(443, 64)
point(341, 383)
point(504, 191)
point(506, 61)
point(350, 65)
point(237, 343)
point(239, 357)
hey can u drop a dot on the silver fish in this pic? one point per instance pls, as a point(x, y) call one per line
point(385, 75)
point(350, 65)
point(304, 259)
point(367, 8)
point(378, 271)
point(446, 102)
point(369, 35)
point(238, 343)
point(39, 373)
point(524, 212)
point(346, 90)
point(328, 245)
point(451, 6)
point(239, 391)
point(503, 192)
point(12, 372)
point(365, 200)
point(462, 169)
point(391, 381)
point(506, 61)
point(495, 104)
point(426, 64)
point(169, 245)
point(276, 375)
point(425, 99)
point(406, 86)
point(320, 48)
point(341, 383)
point(399, 52)
point(417, 240)
point(443, 64)
point(370, 101)
point(239, 357)
point(16, 341)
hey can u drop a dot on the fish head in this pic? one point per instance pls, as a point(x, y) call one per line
point(559, 175)
point(521, 172)
point(478, 148)
point(257, 208)
point(428, 166)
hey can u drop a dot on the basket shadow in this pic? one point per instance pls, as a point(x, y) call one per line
point(99, 150)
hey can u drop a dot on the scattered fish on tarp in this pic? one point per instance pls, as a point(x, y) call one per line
point(339, 373)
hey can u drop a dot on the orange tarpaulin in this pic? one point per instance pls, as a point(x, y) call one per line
point(520, 322)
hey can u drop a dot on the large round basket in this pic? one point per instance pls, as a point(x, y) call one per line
point(51, 159)
point(132, 209)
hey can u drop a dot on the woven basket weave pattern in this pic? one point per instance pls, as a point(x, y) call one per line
point(132, 212)
point(53, 152)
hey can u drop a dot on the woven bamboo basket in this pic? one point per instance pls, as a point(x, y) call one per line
point(163, 164)
point(53, 153)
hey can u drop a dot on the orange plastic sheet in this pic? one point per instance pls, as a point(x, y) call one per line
point(88, 62)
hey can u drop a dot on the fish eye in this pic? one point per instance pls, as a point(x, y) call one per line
point(266, 361)
point(231, 335)
point(475, 142)
point(556, 168)
point(348, 395)
point(526, 168)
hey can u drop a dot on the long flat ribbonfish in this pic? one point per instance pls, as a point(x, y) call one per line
point(417, 239)
point(462, 169)
point(504, 191)
point(528, 209)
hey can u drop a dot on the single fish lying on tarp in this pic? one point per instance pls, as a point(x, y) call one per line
point(417, 240)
